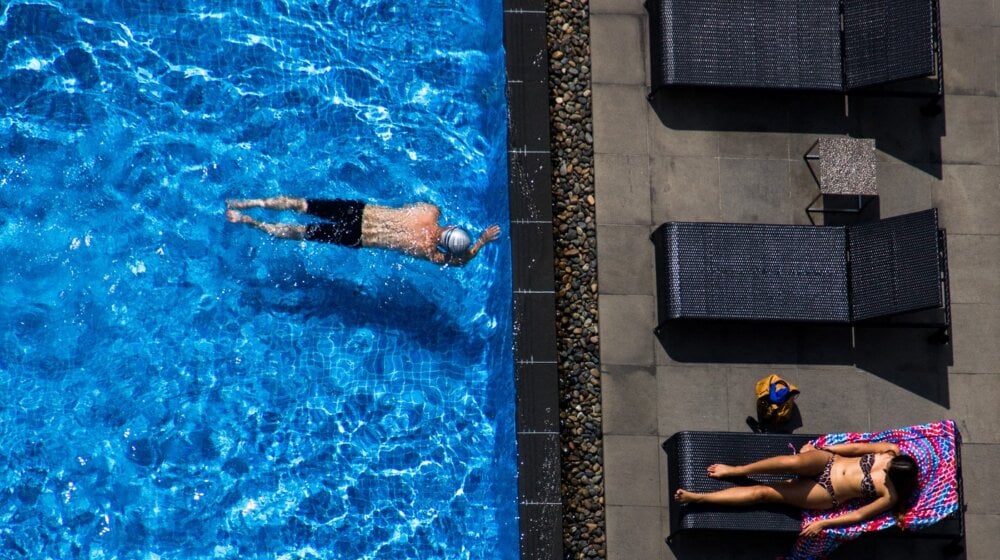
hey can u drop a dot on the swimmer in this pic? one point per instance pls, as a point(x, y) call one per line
point(412, 229)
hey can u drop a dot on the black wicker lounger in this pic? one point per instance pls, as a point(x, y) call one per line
point(689, 453)
point(793, 44)
point(825, 274)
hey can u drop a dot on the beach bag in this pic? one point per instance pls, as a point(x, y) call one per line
point(775, 400)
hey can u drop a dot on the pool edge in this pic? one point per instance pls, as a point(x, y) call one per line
point(532, 257)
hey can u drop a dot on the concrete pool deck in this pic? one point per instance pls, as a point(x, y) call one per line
point(737, 157)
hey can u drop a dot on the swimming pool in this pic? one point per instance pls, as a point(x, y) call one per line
point(180, 387)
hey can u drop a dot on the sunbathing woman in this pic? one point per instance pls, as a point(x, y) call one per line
point(828, 477)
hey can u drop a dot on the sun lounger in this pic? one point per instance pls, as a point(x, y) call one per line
point(762, 272)
point(936, 513)
point(793, 44)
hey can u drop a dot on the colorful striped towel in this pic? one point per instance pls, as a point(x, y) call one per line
point(934, 447)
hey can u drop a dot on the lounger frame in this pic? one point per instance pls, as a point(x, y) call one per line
point(889, 272)
point(823, 45)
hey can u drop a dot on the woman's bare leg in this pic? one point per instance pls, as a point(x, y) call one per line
point(283, 231)
point(810, 463)
point(273, 203)
point(803, 493)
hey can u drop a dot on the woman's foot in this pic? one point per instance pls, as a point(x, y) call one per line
point(721, 471)
point(682, 496)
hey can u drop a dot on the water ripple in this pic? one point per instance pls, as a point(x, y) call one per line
point(179, 387)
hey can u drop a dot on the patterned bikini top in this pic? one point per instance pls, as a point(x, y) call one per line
point(867, 486)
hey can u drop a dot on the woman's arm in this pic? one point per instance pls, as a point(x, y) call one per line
point(859, 449)
point(863, 513)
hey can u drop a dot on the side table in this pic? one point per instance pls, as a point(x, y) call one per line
point(846, 168)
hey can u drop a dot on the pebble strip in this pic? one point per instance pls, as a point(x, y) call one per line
point(574, 222)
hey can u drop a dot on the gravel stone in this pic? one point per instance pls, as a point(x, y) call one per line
point(575, 242)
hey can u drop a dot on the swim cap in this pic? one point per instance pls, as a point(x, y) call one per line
point(455, 240)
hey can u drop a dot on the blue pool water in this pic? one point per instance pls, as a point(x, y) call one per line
point(175, 386)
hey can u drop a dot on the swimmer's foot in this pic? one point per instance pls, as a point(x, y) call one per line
point(682, 496)
point(238, 218)
point(238, 204)
point(721, 471)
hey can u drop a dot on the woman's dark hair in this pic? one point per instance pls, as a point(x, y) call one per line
point(903, 476)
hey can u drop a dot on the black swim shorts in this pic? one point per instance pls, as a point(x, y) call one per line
point(343, 221)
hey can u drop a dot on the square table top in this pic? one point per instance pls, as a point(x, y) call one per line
point(847, 166)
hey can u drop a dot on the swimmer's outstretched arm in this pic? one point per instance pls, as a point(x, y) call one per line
point(491, 234)
point(282, 231)
point(273, 203)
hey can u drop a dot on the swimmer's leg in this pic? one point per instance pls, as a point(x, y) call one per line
point(282, 231)
point(273, 203)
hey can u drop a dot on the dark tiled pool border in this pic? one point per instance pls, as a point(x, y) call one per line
point(535, 357)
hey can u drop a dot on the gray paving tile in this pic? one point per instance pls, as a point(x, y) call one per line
point(692, 397)
point(620, 119)
point(980, 536)
point(665, 497)
point(801, 143)
point(755, 110)
point(969, 51)
point(893, 406)
point(631, 470)
point(672, 141)
point(969, 199)
point(831, 400)
point(756, 190)
point(685, 189)
point(975, 332)
point(661, 357)
point(617, 47)
point(982, 493)
point(974, 267)
point(626, 260)
point(903, 188)
point(899, 128)
point(626, 324)
point(629, 400)
point(968, 13)
point(617, 7)
point(972, 130)
point(802, 189)
point(904, 357)
point(621, 184)
point(634, 532)
point(668, 553)
point(766, 145)
point(975, 397)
